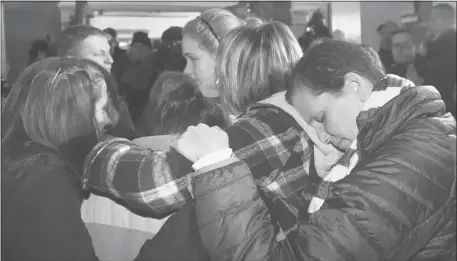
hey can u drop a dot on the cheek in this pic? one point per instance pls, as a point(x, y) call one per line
point(338, 119)
point(204, 70)
point(99, 111)
point(96, 59)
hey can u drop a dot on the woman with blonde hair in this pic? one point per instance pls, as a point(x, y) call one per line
point(201, 38)
point(54, 101)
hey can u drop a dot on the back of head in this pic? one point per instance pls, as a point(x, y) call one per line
point(111, 32)
point(374, 57)
point(171, 35)
point(380, 28)
point(142, 38)
point(254, 62)
point(166, 82)
point(324, 67)
point(169, 53)
point(317, 19)
point(210, 27)
point(176, 103)
point(53, 101)
point(71, 38)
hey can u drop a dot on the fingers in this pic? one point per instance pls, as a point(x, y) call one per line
point(326, 149)
point(216, 128)
point(174, 144)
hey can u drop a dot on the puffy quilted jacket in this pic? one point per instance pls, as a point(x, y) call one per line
point(399, 203)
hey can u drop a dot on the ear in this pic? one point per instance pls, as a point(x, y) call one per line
point(354, 83)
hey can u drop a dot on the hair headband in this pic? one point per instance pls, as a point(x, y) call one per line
point(210, 27)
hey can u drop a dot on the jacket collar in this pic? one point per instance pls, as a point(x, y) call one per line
point(379, 124)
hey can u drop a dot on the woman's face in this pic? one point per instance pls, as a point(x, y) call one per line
point(200, 65)
point(332, 115)
point(101, 104)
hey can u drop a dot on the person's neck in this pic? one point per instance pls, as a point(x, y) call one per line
point(386, 44)
point(215, 99)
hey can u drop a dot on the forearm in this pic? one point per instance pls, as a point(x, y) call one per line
point(149, 180)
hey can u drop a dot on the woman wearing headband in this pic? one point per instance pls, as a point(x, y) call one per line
point(53, 102)
point(201, 38)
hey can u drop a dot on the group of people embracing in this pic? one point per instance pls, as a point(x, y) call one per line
point(316, 156)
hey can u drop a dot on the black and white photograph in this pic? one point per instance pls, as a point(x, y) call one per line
point(228, 131)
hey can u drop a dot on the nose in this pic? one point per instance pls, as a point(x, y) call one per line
point(109, 59)
point(188, 69)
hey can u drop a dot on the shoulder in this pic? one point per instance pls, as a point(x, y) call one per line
point(267, 119)
point(411, 172)
point(49, 177)
point(44, 197)
point(268, 139)
point(264, 123)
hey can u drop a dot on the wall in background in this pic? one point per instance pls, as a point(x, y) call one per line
point(372, 14)
point(4, 58)
point(25, 22)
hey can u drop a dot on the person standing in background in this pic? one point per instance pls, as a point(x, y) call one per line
point(169, 54)
point(119, 55)
point(136, 79)
point(39, 50)
point(407, 62)
point(88, 42)
point(116, 51)
point(440, 58)
point(385, 51)
point(85, 42)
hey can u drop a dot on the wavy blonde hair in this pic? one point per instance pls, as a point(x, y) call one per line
point(254, 62)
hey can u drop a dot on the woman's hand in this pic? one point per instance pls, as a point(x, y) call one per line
point(325, 157)
point(201, 140)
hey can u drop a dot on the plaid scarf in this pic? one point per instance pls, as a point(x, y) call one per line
point(384, 90)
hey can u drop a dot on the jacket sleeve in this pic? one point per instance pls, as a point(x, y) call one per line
point(151, 181)
point(363, 218)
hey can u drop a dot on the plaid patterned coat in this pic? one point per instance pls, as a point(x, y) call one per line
point(269, 140)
